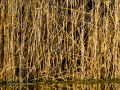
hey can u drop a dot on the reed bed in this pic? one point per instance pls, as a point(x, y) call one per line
point(59, 40)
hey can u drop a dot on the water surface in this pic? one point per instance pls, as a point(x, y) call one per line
point(62, 86)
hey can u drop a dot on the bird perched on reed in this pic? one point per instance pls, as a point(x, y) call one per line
point(55, 51)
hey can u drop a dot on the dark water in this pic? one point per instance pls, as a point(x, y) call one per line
point(62, 86)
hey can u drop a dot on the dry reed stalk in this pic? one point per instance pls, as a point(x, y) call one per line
point(116, 39)
point(1, 40)
point(12, 43)
point(82, 44)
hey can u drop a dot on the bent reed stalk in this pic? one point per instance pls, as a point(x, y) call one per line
point(59, 40)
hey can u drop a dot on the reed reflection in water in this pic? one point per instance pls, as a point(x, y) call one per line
point(63, 86)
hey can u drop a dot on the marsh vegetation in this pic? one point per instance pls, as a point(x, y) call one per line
point(86, 33)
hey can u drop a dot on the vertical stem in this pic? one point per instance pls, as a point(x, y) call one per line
point(2, 39)
point(116, 39)
point(91, 71)
point(82, 44)
point(95, 44)
point(21, 50)
point(72, 16)
point(12, 33)
point(75, 64)
point(27, 59)
point(9, 63)
point(48, 58)
point(66, 48)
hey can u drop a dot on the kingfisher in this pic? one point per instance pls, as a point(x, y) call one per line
point(55, 51)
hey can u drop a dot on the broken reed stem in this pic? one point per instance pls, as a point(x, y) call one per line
point(86, 34)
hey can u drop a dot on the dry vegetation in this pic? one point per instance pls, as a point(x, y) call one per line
point(85, 32)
